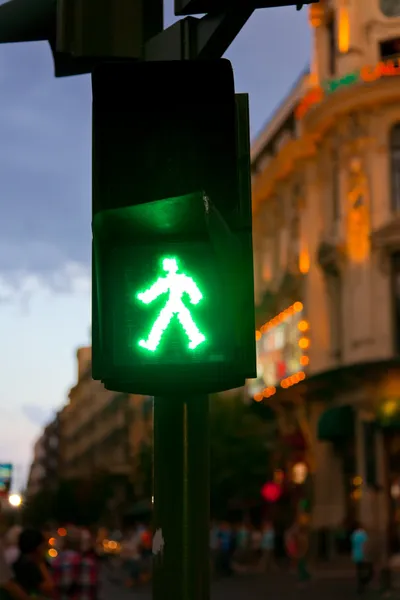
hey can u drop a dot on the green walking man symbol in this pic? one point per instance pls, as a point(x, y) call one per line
point(177, 284)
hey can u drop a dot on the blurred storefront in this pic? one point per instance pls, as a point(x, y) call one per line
point(326, 202)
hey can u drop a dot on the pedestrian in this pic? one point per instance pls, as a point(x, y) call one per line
point(75, 575)
point(296, 540)
point(146, 552)
point(9, 588)
point(225, 549)
point(255, 545)
point(11, 538)
point(267, 547)
point(242, 547)
point(130, 556)
point(302, 553)
point(290, 541)
point(214, 547)
point(364, 569)
point(30, 569)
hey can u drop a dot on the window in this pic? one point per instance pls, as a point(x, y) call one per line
point(331, 30)
point(335, 187)
point(370, 453)
point(395, 166)
point(389, 48)
point(396, 300)
point(334, 290)
point(294, 229)
point(390, 8)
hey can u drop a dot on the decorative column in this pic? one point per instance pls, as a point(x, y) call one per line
point(318, 58)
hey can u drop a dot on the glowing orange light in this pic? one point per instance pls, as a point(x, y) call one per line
point(344, 29)
point(304, 262)
point(301, 375)
point(62, 532)
point(269, 391)
point(304, 360)
point(314, 96)
point(52, 541)
point(304, 343)
point(297, 306)
point(258, 336)
point(284, 383)
point(258, 397)
point(53, 553)
point(303, 325)
point(295, 378)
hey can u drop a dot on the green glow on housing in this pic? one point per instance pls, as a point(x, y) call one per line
point(176, 285)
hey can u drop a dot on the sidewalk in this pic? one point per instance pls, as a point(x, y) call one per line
point(339, 568)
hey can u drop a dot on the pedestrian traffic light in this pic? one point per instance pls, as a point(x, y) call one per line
point(169, 255)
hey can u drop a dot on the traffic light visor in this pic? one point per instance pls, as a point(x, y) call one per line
point(162, 287)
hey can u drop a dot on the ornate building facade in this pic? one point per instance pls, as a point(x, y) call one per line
point(103, 431)
point(326, 203)
point(46, 465)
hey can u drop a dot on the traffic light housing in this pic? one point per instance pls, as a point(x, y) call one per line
point(171, 232)
point(82, 34)
point(197, 7)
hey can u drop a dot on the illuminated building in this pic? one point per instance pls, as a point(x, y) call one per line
point(46, 465)
point(326, 203)
point(103, 431)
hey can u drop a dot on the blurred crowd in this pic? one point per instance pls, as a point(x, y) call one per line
point(29, 568)
point(69, 563)
point(247, 548)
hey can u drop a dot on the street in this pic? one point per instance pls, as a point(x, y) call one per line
point(280, 586)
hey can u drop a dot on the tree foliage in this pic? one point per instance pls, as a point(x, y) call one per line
point(79, 501)
point(239, 452)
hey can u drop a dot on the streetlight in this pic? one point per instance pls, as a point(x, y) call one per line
point(15, 500)
point(299, 473)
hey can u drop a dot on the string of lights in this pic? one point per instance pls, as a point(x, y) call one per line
point(303, 343)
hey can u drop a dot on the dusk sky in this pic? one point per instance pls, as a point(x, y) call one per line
point(45, 205)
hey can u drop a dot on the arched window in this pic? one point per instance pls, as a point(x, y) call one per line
point(334, 290)
point(335, 189)
point(331, 32)
point(395, 166)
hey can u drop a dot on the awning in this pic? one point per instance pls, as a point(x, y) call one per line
point(336, 423)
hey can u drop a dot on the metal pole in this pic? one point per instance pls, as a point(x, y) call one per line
point(181, 498)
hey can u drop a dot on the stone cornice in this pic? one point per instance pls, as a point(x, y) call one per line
point(354, 98)
point(280, 167)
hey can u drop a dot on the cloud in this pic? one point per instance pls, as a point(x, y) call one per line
point(20, 286)
point(45, 169)
point(45, 143)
